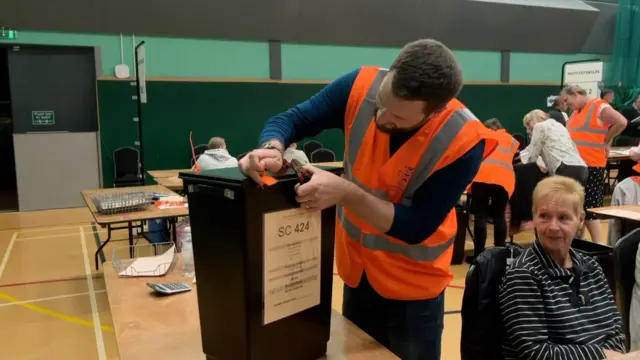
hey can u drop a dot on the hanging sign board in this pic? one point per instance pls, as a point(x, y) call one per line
point(142, 73)
point(587, 75)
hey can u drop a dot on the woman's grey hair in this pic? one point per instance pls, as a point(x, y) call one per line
point(494, 124)
point(573, 90)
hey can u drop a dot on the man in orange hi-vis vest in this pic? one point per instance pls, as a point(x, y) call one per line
point(593, 125)
point(410, 151)
point(491, 189)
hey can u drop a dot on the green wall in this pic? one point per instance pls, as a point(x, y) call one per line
point(178, 57)
point(237, 112)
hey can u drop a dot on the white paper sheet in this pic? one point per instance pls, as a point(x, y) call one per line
point(150, 266)
point(620, 152)
point(292, 245)
point(620, 213)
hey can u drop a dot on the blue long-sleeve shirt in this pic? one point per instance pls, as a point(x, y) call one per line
point(431, 202)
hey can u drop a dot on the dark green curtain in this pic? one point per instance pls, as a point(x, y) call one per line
point(623, 68)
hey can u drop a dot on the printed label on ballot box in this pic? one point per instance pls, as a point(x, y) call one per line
point(291, 240)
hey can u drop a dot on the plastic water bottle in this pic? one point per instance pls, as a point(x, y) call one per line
point(188, 267)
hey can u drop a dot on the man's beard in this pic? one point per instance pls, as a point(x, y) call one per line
point(393, 128)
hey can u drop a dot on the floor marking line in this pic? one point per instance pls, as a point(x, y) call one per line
point(49, 298)
point(7, 252)
point(102, 352)
point(55, 314)
point(46, 281)
point(52, 236)
point(39, 228)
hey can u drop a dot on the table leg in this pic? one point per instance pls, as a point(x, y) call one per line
point(130, 228)
point(173, 222)
point(102, 246)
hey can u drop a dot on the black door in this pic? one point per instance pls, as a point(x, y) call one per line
point(55, 125)
point(53, 89)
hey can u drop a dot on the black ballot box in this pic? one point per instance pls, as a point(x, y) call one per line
point(264, 267)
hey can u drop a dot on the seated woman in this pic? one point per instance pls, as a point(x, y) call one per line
point(555, 303)
point(551, 141)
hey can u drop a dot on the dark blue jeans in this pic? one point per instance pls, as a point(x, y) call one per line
point(410, 329)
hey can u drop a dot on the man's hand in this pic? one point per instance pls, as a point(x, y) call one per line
point(634, 154)
point(257, 161)
point(324, 190)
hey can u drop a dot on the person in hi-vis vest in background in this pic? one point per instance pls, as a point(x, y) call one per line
point(592, 126)
point(411, 149)
point(491, 189)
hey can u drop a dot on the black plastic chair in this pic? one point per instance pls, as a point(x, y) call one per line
point(482, 329)
point(198, 150)
point(126, 167)
point(322, 155)
point(310, 146)
point(625, 252)
point(241, 155)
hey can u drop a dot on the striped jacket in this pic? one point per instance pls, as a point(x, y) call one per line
point(550, 312)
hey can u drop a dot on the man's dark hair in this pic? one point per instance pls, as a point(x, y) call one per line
point(557, 101)
point(605, 92)
point(426, 70)
point(493, 124)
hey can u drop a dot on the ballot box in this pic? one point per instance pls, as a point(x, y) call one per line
point(264, 267)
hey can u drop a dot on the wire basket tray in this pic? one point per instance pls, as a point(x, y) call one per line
point(144, 259)
point(122, 201)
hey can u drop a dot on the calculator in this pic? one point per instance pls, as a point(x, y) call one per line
point(170, 288)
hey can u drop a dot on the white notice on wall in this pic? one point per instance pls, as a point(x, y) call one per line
point(292, 243)
point(588, 75)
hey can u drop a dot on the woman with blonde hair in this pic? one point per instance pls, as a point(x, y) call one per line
point(551, 141)
point(555, 303)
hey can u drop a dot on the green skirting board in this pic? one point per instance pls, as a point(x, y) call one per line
point(238, 111)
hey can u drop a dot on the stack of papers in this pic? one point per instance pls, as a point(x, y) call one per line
point(620, 152)
point(150, 266)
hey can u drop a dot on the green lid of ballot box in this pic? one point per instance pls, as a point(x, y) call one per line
point(264, 267)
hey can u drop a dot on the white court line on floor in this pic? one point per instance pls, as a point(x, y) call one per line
point(102, 352)
point(57, 235)
point(50, 298)
point(46, 228)
point(5, 259)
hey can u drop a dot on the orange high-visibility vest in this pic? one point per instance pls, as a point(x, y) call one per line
point(497, 169)
point(395, 269)
point(588, 135)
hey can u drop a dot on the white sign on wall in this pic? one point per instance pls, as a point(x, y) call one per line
point(587, 75)
point(142, 73)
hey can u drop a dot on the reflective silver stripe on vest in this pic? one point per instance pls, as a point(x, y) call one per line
point(435, 151)
point(380, 243)
point(362, 121)
point(509, 150)
point(586, 126)
point(498, 162)
point(514, 145)
point(590, 144)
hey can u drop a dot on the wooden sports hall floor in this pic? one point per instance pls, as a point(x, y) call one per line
point(53, 303)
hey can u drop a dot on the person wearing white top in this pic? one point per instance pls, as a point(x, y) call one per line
point(292, 152)
point(217, 156)
point(551, 141)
